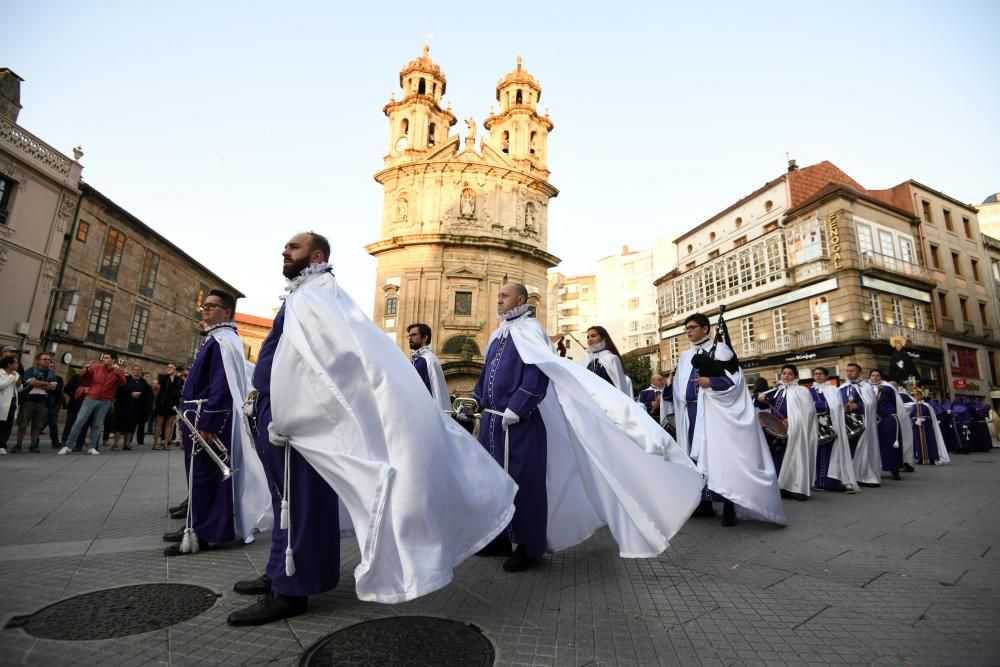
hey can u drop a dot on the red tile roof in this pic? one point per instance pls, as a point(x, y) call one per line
point(805, 183)
point(253, 319)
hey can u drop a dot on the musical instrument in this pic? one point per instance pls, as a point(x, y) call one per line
point(855, 425)
point(774, 426)
point(465, 408)
point(211, 446)
point(670, 425)
point(825, 428)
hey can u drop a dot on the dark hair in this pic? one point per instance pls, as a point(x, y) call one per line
point(874, 370)
point(608, 343)
point(760, 385)
point(227, 299)
point(179, 369)
point(822, 370)
point(858, 366)
point(319, 242)
point(698, 318)
point(7, 361)
point(424, 330)
point(793, 368)
point(111, 353)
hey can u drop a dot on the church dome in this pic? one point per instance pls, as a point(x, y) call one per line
point(521, 76)
point(423, 65)
point(992, 199)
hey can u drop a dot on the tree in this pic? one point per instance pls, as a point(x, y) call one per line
point(637, 367)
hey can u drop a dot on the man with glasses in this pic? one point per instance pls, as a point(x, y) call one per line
point(426, 363)
point(102, 381)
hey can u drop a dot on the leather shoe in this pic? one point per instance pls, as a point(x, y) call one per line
point(180, 507)
point(175, 549)
point(908, 468)
point(895, 475)
point(270, 607)
point(174, 536)
point(179, 514)
point(500, 546)
point(259, 586)
point(519, 560)
point(704, 509)
point(729, 514)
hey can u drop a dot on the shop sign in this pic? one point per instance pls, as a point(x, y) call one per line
point(834, 228)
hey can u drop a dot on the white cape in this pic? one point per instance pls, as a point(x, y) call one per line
point(943, 457)
point(798, 468)
point(867, 456)
point(598, 471)
point(439, 387)
point(251, 495)
point(841, 466)
point(903, 410)
point(613, 367)
point(422, 494)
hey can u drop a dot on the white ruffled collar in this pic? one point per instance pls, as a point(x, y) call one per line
point(420, 352)
point(597, 347)
point(702, 344)
point(793, 383)
point(314, 269)
point(515, 312)
point(219, 328)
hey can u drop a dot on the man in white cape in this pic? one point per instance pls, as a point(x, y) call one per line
point(341, 414)
point(859, 398)
point(580, 447)
point(426, 363)
point(220, 509)
point(835, 469)
point(797, 405)
point(904, 411)
point(717, 425)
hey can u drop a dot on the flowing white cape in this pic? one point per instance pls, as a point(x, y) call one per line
point(613, 366)
point(943, 457)
point(252, 498)
point(798, 468)
point(841, 466)
point(867, 456)
point(903, 410)
point(422, 494)
point(439, 387)
point(598, 471)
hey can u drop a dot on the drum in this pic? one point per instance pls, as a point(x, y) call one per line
point(670, 425)
point(825, 429)
point(855, 425)
point(774, 426)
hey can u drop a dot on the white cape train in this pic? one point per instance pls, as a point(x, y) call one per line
point(599, 471)
point(251, 496)
point(841, 466)
point(422, 494)
point(798, 467)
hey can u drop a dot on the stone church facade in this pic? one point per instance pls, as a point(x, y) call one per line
point(460, 219)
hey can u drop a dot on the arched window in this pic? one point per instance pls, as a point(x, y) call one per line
point(422, 87)
point(519, 99)
point(711, 236)
point(531, 143)
point(434, 90)
point(404, 126)
point(430, 135)
point(506, 142)
point(739, 222)
point(465, 345)
point(768, 205)
point(690, 248)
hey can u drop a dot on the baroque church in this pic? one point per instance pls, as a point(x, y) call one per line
point(461, 218)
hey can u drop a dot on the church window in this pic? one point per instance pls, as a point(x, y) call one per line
point(519, 99)
point(768, 205)
point(434, 90)
point(689, 248)
point(422, 87)
point(711, 236)
point(531, 143)
point(430, 135)
point(404, 127)
point(739, 222)
point(460, 345)
point(391, 305)
point(506, 142)
point(463, 303)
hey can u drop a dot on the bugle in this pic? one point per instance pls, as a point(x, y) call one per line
point(215, 449)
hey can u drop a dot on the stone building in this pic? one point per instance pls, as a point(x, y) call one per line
point(572, 310)
point(39, 193)
point(460, 219)
point(253, 330)
point(988, 214)
point(125, 287)
point(814, 270)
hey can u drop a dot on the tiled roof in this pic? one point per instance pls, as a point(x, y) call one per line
point(803, 184)
point(253, 319)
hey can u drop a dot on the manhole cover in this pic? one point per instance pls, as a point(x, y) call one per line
point(117, 612)
point(402, 640)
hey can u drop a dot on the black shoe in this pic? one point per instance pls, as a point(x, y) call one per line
point(180, 514)
point(704, 509)
point(729, 514)
point(175, 549)
point(500, 546)
point(895, 475)
point(175, 536)
point(908, 468)
point(869, 485)
point(180, 507)
point(270, 607)
point(787, 494)
point(259, 586)
point(519, 560)
point(34, 450)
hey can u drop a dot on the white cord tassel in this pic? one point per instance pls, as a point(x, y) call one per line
point(194, 542)
point(289, 562)
point(284, 514)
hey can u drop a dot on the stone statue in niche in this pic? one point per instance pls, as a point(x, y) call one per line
point(401, 209)
point(467, 204)
point(529, 218)
point(470, 133)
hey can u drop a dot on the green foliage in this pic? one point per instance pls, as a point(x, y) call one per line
point(638, 368)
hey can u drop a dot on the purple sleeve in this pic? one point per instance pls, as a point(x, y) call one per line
point(217, 410)
point(530, 392)
point(420, 364)
point(721, 383)
point(819, 400)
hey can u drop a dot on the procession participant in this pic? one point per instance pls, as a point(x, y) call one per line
point(102, 380)
point(982, 441)
point(717, 425)
point(604, 359)
point(834, 466)
point(577, 447)
point(949, 436)
point(652, 397)
point(798, 405)
point(220, 509)
point(902, 369)
point(341, 414)
point(961, 417)
point(928, 442)
point(858, 397)
point(427, 365)
point(904, 408)
point(889, 438)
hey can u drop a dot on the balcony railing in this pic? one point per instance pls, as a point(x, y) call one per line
point(874, 260)
point(786, 342)
point(34, 150)
point(882, 331)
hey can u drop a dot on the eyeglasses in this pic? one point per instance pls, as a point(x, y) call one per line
point(694, 327)
point(205, 307)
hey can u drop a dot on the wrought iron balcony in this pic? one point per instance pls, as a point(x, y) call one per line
point(882, 331)
point(876, 261)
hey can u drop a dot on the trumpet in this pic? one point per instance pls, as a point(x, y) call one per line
point(215, 449)
point(465, 408)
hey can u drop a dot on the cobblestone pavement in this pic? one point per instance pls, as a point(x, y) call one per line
point(906, 574)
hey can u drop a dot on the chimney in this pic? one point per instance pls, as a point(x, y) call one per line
point(624, 249)
point(10, 94)
point(792, 166)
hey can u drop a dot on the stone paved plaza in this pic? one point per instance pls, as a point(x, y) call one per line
point(907, 574)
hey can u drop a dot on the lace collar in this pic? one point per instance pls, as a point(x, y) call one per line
point(420, 352)
point(317, 268)
point(220, 327)
point(515, 312)
point(597, 347)
point(793, 383)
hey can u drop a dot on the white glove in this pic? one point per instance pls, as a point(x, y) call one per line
point(463, 416)
point(509, 418)
point(918, 421)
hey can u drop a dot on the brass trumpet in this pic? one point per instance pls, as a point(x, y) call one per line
point(469, 408)
point(215, 449)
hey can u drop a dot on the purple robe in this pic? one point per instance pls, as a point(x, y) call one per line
point(650, 394)
point(961, 417)
point(420, 364)
point(982, 441)
point(948, 424)
point(851, 392)
point(925, 445)
point(888, 428)
point(212, 510)
point(314, 508)
point(507, 382)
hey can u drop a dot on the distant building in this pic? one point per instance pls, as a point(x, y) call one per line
point(39, 194)
point(253, 330)
point(573, 310)
point(988, 214)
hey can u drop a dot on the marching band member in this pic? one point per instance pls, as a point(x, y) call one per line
point(577, 448)
point(834, 466)
point(858, 397)
point(604, 360)
point(653, 397)
point(889, 438)
point(798, 405)
point(341, 414)
point(220, 509)
point(928, 442)
point(717, 425)
point(904, 407)
point(426, 363)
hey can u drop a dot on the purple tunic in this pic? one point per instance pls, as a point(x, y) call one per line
point(889, 439)
point(420, 364)
point(851, 392)
point(925, 445)
point(314, 509)
point(982, 441)
point(211, 496)
point(507, 382)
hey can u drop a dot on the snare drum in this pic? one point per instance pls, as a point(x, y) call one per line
point(670, 425)
point(774, 426)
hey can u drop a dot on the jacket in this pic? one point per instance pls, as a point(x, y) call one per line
point(102, 382)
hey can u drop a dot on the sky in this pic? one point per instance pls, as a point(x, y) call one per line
point(229, 126)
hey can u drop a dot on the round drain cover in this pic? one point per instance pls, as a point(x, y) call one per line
point(117, 612)
point(403, 640)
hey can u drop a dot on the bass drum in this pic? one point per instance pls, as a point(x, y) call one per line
point(825, 430)
point(855, 425)
point(774, 426)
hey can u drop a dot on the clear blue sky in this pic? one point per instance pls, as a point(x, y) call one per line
point(228, 126)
